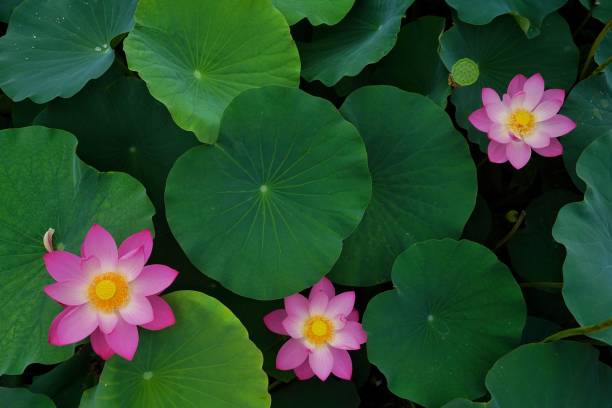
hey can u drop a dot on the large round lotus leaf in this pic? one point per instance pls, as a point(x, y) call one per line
point(121, 127)
point(551, 375)
point(45, 186)
point(6, 8)
point(423, 180)
point(318, 12)
point(603, 55)
point(602, 9)
point(501, 51)
point(590, 106)
point(23, 398)
point(221, 49)
point(366, 35)
point(455, 310)
point(205, 360)
point(264, 210)
point(314, 393)
point(529, 14)
point(586, 232)
point(536, 257)
point(53, 48)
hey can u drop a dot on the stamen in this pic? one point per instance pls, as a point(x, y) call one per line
point(108, 292)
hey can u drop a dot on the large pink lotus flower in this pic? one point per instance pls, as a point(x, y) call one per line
point(322, 329)
point(108, 292)
point(525, 118)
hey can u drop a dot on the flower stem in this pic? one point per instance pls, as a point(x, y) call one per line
point(510, 234)
point(578, 331)
point(542, 285)
point(596, 44)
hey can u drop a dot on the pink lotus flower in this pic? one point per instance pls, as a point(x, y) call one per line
point(108, 292)
point(322, 329)
point(525, 118)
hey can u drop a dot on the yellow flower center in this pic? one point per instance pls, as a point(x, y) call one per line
point(108, 292)
point(521, 122)
point(318, 330)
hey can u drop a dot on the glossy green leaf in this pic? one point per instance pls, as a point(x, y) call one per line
point(205, 359)
point(282, 187)
point(530, 14)
point(585, 231)
point(221, 49)
point(6, 8)
point(602, 9)
point(455, 310)
point(502, 51)
point(44, 186)
point(23, 398)
point(366, 35)
point(423, 180)
point(536, 257)
point(121, 127)
point(603, 55)
point(314, 393)
point(590, 106)
point(53, 48)
point(537, 329)
point(318, 12)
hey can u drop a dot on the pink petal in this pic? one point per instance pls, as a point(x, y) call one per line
point(489, 96)
point(546, 110)
point(325, 286)
point(100, 243)
point(353, 316)
point(141, 239)
point(497, 152)
point(341, 305)
point(72, 293)
point(163, 316)
point(516, 85)
point(321, 361)
point(507, 100)
point(499, 133)
point(56, 320)
point(138, 310)
point(349, 338)
point(107, 321)
point(123, 340)
point(131, 264)
point(518, 100)
point(518, 154)
point(480, 120)
point(74, 326)
point(497, 112)
point(274, 321)
point(291, 355)
point(304, 372)
point(356, 329)
point(537, 139)
point(554, 149)
point(294, 326)
point(534, 91)
point(343, 366)
point(296, 305)
point(100, 346)
point(63, 266)
point(153, 279)
point(318, 304)
point(91, 267)
point(554, 95)
point(557, 126)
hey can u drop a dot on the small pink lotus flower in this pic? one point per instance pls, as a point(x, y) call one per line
point(108, 292)
point(322, 329)
point(525, 118)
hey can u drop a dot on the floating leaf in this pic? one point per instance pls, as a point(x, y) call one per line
point(366, 35)
point(314, 393)
point(284, 185)
point(602, 9)
point(221, 49)
point(603, 55)
point(53, 48)
point(6, 8)
point(585, 231)
point(501, 51)
point(455, 310)
point(316, 11)
point(23, 398)
point(205, 359)
point(424, 180)
point(44, 186)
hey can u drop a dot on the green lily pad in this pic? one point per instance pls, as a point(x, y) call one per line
point(602, 9)
point(318, 12)
point(536, 257)
point(530, 14)
point(314, 393)
point(221, 49)
point(44, 186)
point(23, 398)
point(537, 329)
point(423, 180)
point(501, 51)
point(365, 35)
point(455, 310)
point(585, 231)
point(205, 359)
point(603, 55)
point(6, 8)
point(121, 127)
point(590, 106)
point(53, 48)
point(282, 188)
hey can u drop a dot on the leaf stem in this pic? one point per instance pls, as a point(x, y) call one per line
point(596, 44)
point(578, 331)
point(542, 285)
point(510, 234)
